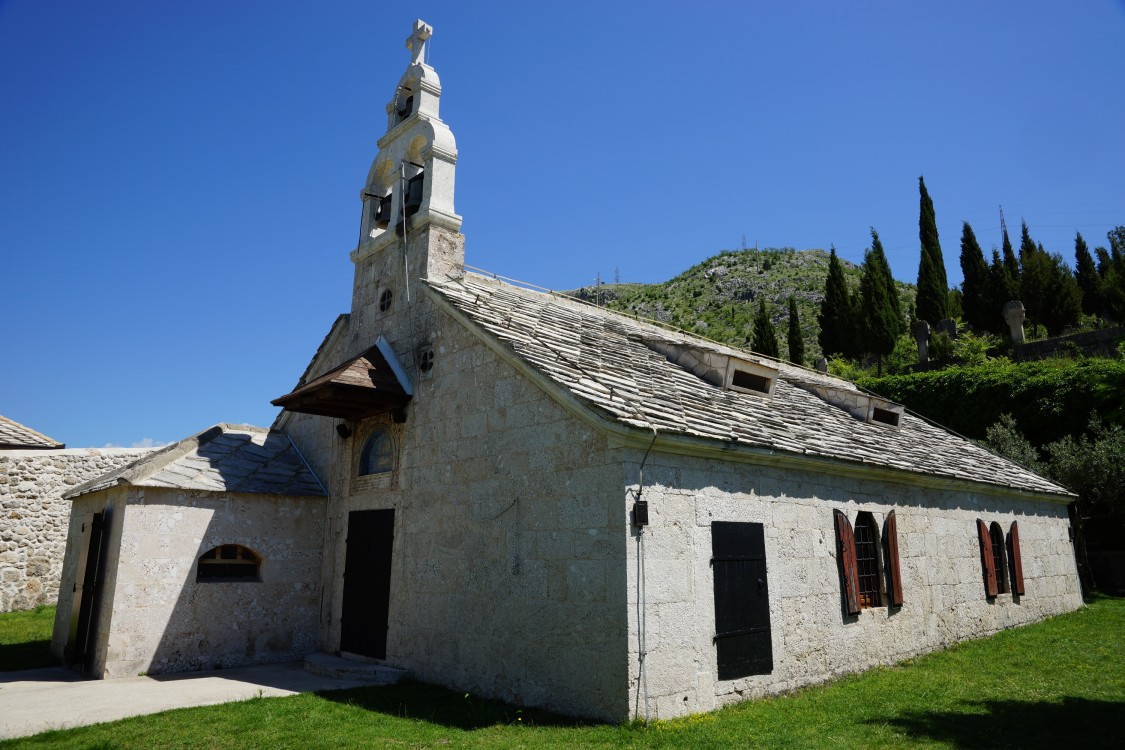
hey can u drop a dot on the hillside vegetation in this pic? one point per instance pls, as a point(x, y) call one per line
point(718, 297)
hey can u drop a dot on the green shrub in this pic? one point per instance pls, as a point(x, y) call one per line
point(1047, 399)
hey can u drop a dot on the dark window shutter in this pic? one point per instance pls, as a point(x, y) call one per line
point(845, 548)
point(743, 642)
point(990, 587)
point(890, 533)
point(1017, 564)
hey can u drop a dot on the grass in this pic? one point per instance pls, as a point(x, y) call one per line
point(1060, 683)
point(25, 638)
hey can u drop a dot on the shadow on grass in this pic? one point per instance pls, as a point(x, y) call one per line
point(26, 655)
point(417, 700)
point(1074, 722)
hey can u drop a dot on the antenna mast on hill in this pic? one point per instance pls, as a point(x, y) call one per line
point(1003, 226)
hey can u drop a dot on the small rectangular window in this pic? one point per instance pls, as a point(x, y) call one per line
point(886, 416)
point(750, 381)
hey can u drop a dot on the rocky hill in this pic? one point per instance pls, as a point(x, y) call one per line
point(718, 297)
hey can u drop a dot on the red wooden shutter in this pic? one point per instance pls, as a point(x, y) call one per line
point(1017, 564)
point(890, 531)
point(990, 586)
point(849, 578)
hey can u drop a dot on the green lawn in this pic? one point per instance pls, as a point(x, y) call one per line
point(25, 638)
point(1057, 684)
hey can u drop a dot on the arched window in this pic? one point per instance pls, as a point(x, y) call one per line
point(229, 562)
point(999, 559)
point(378, 456)
point(867, 560)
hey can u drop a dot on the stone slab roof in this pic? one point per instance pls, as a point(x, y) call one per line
point(223, 458)
point(647, 377)
point(14, 435)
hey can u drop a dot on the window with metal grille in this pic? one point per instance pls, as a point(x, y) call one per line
point(999, 562)
point(229, 562)
point(867, 560)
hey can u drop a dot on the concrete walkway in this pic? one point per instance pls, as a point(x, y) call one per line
point(40, 699)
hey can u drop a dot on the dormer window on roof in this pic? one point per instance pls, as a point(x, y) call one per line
point(862, 406)
point(749, 377)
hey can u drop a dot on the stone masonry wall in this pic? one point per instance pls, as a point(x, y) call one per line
point(813, 640)
point(156, 618)
point(34, 517)
point(507, 577)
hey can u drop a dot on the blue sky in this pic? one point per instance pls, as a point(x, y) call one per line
point(179, 182)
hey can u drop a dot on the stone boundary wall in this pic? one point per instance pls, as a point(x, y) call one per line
point(1090, 344)
point(34, 517)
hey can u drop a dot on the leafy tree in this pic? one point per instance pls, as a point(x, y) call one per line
point(836, 319)
point(765, 338)
point(1104, 261)
point(796, 342)
point(1086, 274)
point(977, 301)
point(1005, 438)
point(933, 286)
point(882, 319)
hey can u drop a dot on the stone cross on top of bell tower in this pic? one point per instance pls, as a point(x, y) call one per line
point(416, 42)
point(408, 195)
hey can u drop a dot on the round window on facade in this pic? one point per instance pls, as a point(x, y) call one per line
point(386, 299)
point(378, 454)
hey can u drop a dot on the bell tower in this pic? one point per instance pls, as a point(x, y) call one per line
point(408, 227)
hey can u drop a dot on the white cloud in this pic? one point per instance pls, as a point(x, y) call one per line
point(142, 443)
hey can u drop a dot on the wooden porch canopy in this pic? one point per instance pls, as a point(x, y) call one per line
point(372, 383)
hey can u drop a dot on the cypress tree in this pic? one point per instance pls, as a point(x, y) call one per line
point(1027, 247)
point(882, 314)
point(765, 338)
point(976, 290)
point(933, 286)
point(1104, 261)
point(1113, 286)
point(1012, 265)
point(836, 318)
point(1086, 274)
point(1051, 293)
point(796, 342)
point(1003, 288)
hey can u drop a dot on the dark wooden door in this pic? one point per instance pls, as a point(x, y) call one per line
point(89, 578)
point(743, 641)
point(367, 583)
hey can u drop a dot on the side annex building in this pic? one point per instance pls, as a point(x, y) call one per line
point(510, 492)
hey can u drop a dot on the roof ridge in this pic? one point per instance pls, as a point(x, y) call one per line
point(151, 463)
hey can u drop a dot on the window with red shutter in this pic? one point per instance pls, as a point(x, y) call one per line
point(987, 560)
point(1017, 563)
point(845, 550)
point(890, 542)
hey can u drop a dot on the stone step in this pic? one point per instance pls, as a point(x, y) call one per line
point(336, 667)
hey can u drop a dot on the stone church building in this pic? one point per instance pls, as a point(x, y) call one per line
point(509, 492)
